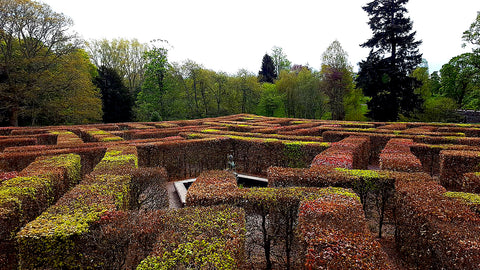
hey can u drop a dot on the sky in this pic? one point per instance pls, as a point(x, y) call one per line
point(228, 35)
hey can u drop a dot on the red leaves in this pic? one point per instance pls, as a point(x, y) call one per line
point(7, 175)
point(333, 232)
point(396, 156)
point(350, 153)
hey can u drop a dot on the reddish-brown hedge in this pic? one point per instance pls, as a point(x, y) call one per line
point(350, 153)
point(333, 234)
point(454, 163)
point(396, 156)
point(433, 231)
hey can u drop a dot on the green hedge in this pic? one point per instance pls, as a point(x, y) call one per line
point(56, 239)
point(200, 238)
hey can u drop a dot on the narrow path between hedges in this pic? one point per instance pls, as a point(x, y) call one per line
point(173, 199)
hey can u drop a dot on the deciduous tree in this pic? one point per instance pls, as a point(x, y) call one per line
point(32, 39)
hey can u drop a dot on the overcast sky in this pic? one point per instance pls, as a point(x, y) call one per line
point(227, 35)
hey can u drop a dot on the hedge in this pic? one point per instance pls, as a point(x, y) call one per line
point(351, 153)
point(261, 135)
point(200, 238)
point(333, 234)
point(35, 188)
point(24, 196)
point(4, 143)
point(453, 164)
point(97, 135)
point(471, 182)
point(67, 138)
point(396, 156)
point(56, 239)
point(432, 230)
point(277, 205)
point(18, 161)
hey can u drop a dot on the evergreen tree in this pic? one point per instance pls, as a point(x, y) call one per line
point(267, 73)
point(384, 75)
point(116, 100)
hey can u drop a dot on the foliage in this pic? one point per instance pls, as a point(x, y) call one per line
point(280, 60)
point(459, 80)
point(32, 39)
point(384, 75)
point(151, 101)
point(122, 55)
point(267, 73)
point(302, 92)
point(271, 101)
point(116, 100)
point(200, 238)
point(472, 35)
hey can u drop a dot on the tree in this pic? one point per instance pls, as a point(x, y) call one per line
point(271, 101)
point(68, 94)
point(248, 89)
point(280, 60)
point(32, 39)
point(384, 75)
point(459, 80)
point(472, 35)
point(302, 92)
point(116, 100)
point(267, 72)
point(124, 56)
point(151, 99)
point(337, 78)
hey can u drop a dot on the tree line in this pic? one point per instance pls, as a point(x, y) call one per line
point(48, 76)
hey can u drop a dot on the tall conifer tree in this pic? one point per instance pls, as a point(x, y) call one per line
point(267, 73)
point(384, 75)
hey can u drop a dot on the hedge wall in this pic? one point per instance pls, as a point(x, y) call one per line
point(454, 163)
point(396, 156)
point(200, 238)
point(333, 233)
point(432, 230)
point(24, 197)
point(57, 238)
point(350, 153)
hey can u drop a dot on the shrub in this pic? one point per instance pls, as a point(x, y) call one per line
point(454, 163)
point(396, 156)
point(351, 153)
point(435, 228)
point(333, 234)
point(201, 238)
point(57, 238)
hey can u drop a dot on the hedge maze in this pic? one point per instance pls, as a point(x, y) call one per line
point(340, 195)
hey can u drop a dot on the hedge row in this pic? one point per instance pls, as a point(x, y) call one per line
point(156, 133)
point(261, 135)
point(396, 156)
point(17, 161)
point(278, 206)
point(471, 182)
point(67, 138)
point(4, 143)
point(188, 158)
point(454, 163)
point(350, 153)
point(200, 238)
point(333, 234)
point(24, 196)
point(55, 239)
point(185, 158)
point(98, 135)
point(434, 231)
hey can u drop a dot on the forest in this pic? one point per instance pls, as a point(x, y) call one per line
point(50, 76)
